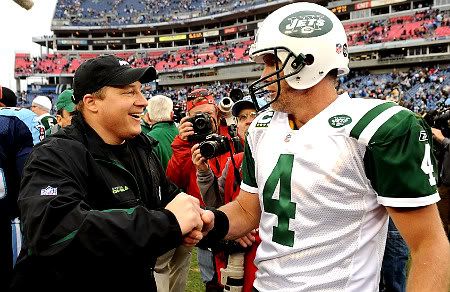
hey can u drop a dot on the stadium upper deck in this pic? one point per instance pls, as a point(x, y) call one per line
point(96, 13)
point(184, 40)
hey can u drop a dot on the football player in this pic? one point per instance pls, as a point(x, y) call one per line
point(322, 172)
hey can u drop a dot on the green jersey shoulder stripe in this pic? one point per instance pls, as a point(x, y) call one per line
point(395, 126)
point(383, 123)
point(368, 125)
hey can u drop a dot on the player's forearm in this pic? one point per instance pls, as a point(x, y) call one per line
point(242, 218)
point(430, 267)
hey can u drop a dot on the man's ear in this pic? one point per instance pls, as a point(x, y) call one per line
point(171, 115)
point(91, 103)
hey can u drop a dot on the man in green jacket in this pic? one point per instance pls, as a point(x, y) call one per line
point(171, 269)
point(158, 124)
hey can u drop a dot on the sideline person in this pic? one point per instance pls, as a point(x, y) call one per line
point(96, 206)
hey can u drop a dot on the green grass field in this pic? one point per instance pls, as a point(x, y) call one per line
point(194, 283)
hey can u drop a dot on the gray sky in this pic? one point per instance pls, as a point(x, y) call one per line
point(17, 27)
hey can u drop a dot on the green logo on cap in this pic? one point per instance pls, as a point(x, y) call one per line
point(306, 24)
point(339, 121)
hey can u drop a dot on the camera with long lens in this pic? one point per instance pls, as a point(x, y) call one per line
point(225, 106)
point(232, 277)
point(214, 145)
point(202, 125)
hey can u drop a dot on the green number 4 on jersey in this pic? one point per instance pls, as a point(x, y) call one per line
point(282, 207)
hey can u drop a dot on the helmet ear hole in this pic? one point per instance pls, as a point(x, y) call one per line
point(309, 59)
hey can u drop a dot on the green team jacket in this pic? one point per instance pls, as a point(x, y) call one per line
point(164, 133)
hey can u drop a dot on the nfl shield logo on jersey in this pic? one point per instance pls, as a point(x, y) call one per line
point(49, 191)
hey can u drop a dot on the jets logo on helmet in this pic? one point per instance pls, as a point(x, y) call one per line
point(306, 24)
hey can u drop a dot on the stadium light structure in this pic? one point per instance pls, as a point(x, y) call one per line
point(27, 4)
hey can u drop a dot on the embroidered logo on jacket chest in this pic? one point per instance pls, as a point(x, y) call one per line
point(119, 189)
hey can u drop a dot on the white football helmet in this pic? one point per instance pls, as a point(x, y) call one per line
point(308, 39)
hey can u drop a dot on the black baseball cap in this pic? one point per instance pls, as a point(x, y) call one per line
point(244, 103)
point(107, 70)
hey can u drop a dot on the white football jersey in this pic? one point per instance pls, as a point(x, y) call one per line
point(322, 189)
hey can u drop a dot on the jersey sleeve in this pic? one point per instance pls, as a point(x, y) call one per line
point(400, 164)
point(248, 169)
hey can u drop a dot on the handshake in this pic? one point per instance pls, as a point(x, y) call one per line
point(194, 221)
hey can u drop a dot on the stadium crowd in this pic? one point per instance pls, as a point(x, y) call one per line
point(218, 53)
point(426, 24)
point(430, 23)
point(420, 89)
point(113, 13)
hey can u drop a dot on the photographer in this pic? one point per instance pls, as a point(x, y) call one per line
point(444, 177)
point(216, 193)
point(202, 120)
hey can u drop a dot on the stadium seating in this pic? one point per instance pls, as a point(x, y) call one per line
point(420, 89)
point(425, 24)
point(110, 13)
point(162, 60)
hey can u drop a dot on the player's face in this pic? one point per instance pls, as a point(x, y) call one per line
point(284, 101)
point(119, 112)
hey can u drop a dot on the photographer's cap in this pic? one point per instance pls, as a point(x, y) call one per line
point(107, 70)
point(244, 103)
point(199, 96)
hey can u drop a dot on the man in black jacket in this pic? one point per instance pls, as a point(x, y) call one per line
point(96, 207)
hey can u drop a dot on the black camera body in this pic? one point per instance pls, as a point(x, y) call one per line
point(178, 113)
point(214, 145)
point(202, 125)
point(228, 247)
point(439, 119)
point(441, 122)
